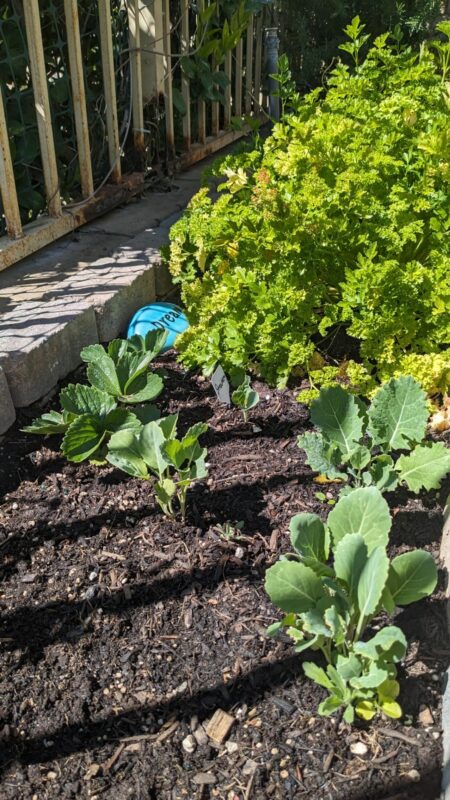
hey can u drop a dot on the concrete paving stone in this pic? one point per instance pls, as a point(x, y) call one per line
point(7, 410)
point(114, 288)
point(40, 343)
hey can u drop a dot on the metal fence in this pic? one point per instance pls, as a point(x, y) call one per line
point(94, 93)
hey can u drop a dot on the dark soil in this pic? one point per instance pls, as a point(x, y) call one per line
point(123, 632)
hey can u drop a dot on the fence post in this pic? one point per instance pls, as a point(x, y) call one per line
point(201, 106)
point(42, 105)
point(238, 79)
point(109, 81)
point(258, 62)
point(136, 78)
point(249, 68)
point(185, 89)
point(79, 96)
point(272, 43)
point(7, 181)
point(168, 93)
point(227, 106)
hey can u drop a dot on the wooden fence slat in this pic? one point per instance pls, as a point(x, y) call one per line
point(136, 76)
point(238, 79)
point(79, 96)
point(109, 83)
point(185, 90)
point(7, 181)
point(215, 112)
point(168, 92)
point(258, 62)
point(42, 105)
point(201, 106)
point(227, 107)
point(249, 67)
point(136, 73)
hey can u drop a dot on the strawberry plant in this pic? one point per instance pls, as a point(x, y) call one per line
point(155, 451)
point(91, 414)
point(331, 587)
point(381, 445)
point(338, 220)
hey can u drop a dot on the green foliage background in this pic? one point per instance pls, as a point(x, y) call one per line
point(340, 219)
point(311, 30)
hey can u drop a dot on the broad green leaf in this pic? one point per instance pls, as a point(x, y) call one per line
point(383, 473)
point(50, 423)
point(389, 690)
point(168, 425)
point(309, 537)
point(425, 467)
point(143, 388)
point(83, 437)
point(389, 643)
point(119, 419)
point(151, 441)
point(313, 622)
point(329, 705)
point(79, 399)
point(372, 582)
point(323, 457)
point(375, 677)
point(350, 557)
point(358, 458)
point(391, 709)
point(363, 511)
point(337, 414)
point(152, 343)
point(102, 374)
point(349, 715)
point(335, 624)
point(318, 675)
point(412, 576)
point(398, 413)
point(348, 666)
point(293, 587)
point(124, 453)
point(366, 709)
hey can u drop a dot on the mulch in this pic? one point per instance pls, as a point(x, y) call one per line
point(123, 632)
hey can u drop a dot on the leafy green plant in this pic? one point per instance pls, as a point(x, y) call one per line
point(329, 606)
point(155, 451)
point(245, 397)
point(91, 414)
point(361, 445)
point(338, 220)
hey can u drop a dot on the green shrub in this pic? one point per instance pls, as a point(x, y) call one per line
point(330, 607)
point(339, 219)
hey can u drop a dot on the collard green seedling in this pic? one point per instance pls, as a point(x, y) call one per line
point(336, 581)
point(155, 450)
point(90, 414)
point(382, 445)
point(245, 397)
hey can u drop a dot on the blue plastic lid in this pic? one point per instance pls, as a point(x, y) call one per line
point(159, 316)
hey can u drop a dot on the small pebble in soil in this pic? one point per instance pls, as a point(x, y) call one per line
point(189, 744)
point(232, 747)
point(413, 775)
point(358, 748)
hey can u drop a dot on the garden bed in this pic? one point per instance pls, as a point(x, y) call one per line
point(123, 631)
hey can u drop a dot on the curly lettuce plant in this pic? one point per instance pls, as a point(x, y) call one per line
point(339, 219)
point(381, 445)
point(118, 376)
point(337, 580)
